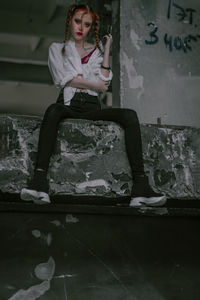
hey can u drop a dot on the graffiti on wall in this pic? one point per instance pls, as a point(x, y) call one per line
point(182, 43)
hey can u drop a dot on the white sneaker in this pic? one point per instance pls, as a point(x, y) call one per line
point(148, 201)
point(35, 196)
point(43, 198)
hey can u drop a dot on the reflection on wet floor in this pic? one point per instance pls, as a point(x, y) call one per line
point(64, 256)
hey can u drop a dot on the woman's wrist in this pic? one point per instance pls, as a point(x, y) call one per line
point(105, 67)
point(105, 62)
point(106, 49)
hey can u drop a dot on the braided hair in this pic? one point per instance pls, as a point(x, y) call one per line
point(95, 22)
point(96, 30)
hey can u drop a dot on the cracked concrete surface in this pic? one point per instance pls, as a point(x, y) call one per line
point(90, 158)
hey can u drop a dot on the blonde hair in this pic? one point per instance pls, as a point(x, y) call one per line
point(95, 22)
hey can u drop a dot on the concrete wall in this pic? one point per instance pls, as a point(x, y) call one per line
point(26, 98)
point(160, 69)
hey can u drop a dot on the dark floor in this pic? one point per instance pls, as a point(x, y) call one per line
point(99, 257)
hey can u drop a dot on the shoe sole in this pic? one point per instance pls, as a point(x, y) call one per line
point(35, 196)
point(151, 201)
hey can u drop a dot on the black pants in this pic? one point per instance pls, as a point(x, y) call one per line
point(85, 106)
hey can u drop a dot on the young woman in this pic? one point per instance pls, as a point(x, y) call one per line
point(81, 71)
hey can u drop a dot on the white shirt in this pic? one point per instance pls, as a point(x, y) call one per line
point(65, 67)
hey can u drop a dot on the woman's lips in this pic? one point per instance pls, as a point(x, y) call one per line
point(79, 33)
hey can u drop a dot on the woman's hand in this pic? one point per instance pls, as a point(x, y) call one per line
point(80, 89)
point(79, 82)
point(102, 86)
point(108, 41)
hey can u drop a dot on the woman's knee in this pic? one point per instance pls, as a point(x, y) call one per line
point(129, 117)
point(53, 111)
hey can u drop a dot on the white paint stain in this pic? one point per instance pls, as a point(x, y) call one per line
point(135, 39)
point(179, 142)
point(135, 81)
point(187, 173)
point(87, 174)
point(23, 145)
point(71, 219)
point(12, 163)
point(56, 222)
point(49, 239)
point(45, 271)
point(64, 276)
point(34, 292)
point(92, 183)
point(36, 233)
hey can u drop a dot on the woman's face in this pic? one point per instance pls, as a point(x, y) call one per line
point(81, 24)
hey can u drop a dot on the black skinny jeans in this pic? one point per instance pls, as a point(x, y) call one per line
point(85, 106)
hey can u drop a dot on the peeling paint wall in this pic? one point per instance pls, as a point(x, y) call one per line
point(159, 60)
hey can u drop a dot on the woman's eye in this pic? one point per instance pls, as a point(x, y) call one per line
point(77, 21)
point(87, 25)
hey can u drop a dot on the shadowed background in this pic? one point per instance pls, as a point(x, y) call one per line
point(27, 28)
point(155, 56)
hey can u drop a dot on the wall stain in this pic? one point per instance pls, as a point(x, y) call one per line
point(135, 81)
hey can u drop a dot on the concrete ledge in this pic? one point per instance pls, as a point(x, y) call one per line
point(96, 209)
point(90, 157)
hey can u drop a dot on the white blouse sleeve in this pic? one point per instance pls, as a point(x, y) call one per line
point(60, 68)
point(97, 62)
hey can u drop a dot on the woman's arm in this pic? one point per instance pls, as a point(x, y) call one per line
point(61, 73)
point(105, 72)
point(79, 82)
